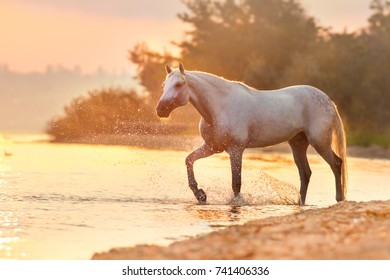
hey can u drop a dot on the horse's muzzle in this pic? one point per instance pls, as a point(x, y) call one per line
point(162, 114)
point(163, 111)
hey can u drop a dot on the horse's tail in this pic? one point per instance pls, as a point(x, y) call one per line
point(340, 148)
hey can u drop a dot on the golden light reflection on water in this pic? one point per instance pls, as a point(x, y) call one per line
point(9, 236)
point(9, 223)
point(69, 201)
point(209, 214)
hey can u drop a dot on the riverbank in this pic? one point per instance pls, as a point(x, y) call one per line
point(191, 142)
point(347, 230)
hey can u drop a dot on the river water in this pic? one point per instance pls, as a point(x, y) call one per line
point(61, 201)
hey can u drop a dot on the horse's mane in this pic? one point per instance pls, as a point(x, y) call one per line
point(222, 80)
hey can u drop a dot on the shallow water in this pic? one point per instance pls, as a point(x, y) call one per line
point(69, 201)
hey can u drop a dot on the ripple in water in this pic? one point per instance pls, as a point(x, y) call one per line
point(69, 201)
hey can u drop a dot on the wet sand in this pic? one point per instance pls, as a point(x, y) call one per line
point(346, 230)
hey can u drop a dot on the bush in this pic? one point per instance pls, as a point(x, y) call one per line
point(105, 111)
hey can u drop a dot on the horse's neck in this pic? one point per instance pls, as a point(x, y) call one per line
point(206, 93)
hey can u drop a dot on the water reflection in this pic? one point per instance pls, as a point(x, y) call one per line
point(69, 201)
point(215, 213)
point(235, 211)
point(9, 236)
point(221, 216)
point(9, 222)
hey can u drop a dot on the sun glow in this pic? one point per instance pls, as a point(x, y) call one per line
point(33, 37)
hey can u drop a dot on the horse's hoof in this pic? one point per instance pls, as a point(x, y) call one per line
point(201, 196)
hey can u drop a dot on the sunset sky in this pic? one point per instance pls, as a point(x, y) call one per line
point(92, 34)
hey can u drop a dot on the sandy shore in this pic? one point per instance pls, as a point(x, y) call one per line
point(347, 230)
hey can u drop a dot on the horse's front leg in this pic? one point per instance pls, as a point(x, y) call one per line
point(235, 154)
point(201, 152)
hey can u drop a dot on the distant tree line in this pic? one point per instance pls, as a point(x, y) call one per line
point(273, 43)
point(41, 95)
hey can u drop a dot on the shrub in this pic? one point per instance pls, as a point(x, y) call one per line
point(105, 111)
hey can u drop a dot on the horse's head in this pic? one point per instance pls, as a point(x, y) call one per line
point(176, 92)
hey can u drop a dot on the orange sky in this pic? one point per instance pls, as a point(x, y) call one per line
point(92, 34)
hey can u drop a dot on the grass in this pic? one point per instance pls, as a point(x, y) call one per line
point(367, 139)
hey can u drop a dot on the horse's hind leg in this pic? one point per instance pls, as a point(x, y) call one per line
point(201, 152)
point(299, 144)
point(235, 154)
point(335, 164)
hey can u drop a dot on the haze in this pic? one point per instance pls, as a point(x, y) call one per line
point(92, 34)
point(54, 50)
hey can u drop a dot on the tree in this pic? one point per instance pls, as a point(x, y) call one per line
point(335, 66)
point(248, 40)
point(353, 68)
point(150, 69)
point(274, 43)
point(376, 82)
point(240, 40)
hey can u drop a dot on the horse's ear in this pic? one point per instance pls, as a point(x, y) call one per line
point(168, 69)
point(181, 67)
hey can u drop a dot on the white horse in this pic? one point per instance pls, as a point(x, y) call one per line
point(236, 116)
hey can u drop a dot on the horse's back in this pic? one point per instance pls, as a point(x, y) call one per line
point(278, 115)
point(302, 100)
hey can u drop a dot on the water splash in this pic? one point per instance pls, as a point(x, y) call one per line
point(260, 190)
